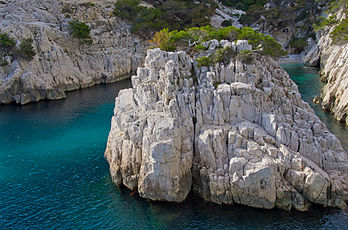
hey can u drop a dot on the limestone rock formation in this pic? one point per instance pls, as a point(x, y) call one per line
point(334, 71)
point(234, 134)
point(62, 63)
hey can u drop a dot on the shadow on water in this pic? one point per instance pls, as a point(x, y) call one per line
point(53, 175)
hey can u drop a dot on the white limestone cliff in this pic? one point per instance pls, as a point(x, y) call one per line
point(333, 59)
point(61, 63)
point(233, 134)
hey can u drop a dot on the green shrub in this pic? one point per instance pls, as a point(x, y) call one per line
point(264, 43)
point(3, 63)
point(26, 49)
point(6, 43)
point(223, 55)
point(174, 14)
point(323, 22)
point(246, 56)
point(200, 47)
point(340, 32)
point(226, 23)
point(185, 39)
point(298, 43)
point(81, 31)
point(204, 61)
point(127, 9)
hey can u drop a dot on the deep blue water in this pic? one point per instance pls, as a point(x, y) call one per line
point(53, 174)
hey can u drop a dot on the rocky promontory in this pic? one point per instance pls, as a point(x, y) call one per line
point(61, 62)
point(233, 133)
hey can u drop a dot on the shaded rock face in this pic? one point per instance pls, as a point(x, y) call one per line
point(234, 134)
point(333, 59)
point(62, 63)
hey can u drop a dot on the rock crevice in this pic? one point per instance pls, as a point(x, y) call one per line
point(234, 134)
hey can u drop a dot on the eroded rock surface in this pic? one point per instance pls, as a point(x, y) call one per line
point(62, 63)
point(234, 134)
point(334, 71)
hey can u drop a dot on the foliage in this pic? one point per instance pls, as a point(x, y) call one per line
point(226, 23)
point(340, 32)
point(243, 4)
point(81, 31)
point(3, 63)
point(204, 61)
point(127, 9)
point(6, 42)
point(264, 43)
point(193, 37)
point(26, 50)
point(173, 14)
point(246, 56)
point(8, 48)
point(223, 55)
point(298, 43)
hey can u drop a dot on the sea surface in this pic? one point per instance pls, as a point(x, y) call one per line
point(53, 174)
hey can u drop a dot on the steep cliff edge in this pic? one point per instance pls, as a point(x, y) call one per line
point(61, 63)
point(333, 59)
point(236, 133)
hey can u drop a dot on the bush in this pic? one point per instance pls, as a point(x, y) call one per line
point(226, 23)
point(26, 50)
point(265, 44)
point(204, 61)
point(224, 55)
point(246, 56)
point(298, 43)
point(323, 22)
point(192, 37)
point(6, 43)
point(174, 14)
point(3, 63)
point(81, 31)
point(127, 9)
point(340, 32)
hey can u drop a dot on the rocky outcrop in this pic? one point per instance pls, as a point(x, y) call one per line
point(333, 60)
point(62, 63)
point(233, 134)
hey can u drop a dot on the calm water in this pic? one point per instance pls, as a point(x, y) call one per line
point(53, 174)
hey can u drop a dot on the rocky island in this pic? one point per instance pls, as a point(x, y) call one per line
point(233, 132)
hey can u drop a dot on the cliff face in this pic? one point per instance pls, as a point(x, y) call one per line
point(234, 134)
point(62, 63)
point(333, 60)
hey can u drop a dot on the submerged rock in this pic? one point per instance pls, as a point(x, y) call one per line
point(61, 63)
point(234, 134)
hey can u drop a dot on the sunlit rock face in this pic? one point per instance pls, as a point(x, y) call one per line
point(333, 60)
point(61, 63)
point(237, 133)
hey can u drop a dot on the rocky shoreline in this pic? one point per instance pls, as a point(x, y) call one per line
point(333, 61)
point(236, 133)
point(61, 63)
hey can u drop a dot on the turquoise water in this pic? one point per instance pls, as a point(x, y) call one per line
point(53, 176)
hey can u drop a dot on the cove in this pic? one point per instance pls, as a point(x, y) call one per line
point(53, 173)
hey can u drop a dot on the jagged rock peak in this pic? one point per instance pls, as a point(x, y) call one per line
point(236, 133)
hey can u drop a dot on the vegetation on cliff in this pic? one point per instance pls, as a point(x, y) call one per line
point(8, 49)
point(81, 31)
point(175, 14)
point(191, 39)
